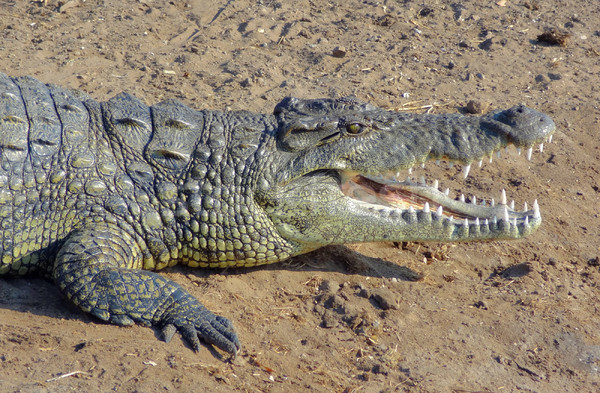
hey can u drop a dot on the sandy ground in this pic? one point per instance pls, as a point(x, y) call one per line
point(500, 317)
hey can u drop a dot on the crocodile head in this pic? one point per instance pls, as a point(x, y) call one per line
point(337, 178)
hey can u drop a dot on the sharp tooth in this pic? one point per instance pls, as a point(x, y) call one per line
point(408, 179)
point(503, 197)
point(550, 139)
point(466, 170)
point(423, 165)
point(526, 221)
point(512, 205)
point(480, 163)
point(437, 162)
point(514, 221)
point(466, 223)
point(398, 174)
point(474, 200)
point(462, 198)
point(495, 220)
point(447, 191)
point(477, 221)
point(491, 158)
point(541, 147)
point(529, 153)
point(483, 203)
point(439, 211)
point(426, 207)
point(536, 209)
point(525, 207)
point(498, 154)
point(505, 214)
point(486, 222)
point(436, 184)
point(518, 150)
point(451, 165)
point(410, 171)
point(492, 202)
point(411, 209)
point(423, 180)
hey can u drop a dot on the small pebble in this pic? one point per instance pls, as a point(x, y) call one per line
point(329, 286)
point(518, 270)
point(381, 368)
point(386, 299)
point(554, 37)
point(480, 304)
point(364, 292)
point(477, 107)
point(68, 5)
point(329, 320)
point(334, 302)
point(554, 77)
point(540, 78)
point(486, 45)
point(339, 52)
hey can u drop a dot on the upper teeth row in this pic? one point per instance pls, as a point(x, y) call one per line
point(467, 167)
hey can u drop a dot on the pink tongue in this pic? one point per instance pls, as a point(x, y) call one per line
point(392, 195)
point(366, 190)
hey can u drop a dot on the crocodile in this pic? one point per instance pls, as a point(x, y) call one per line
point(97, 196)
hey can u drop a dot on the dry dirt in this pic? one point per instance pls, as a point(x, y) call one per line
point(500, 317)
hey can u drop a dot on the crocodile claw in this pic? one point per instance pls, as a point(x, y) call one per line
point(202, 324)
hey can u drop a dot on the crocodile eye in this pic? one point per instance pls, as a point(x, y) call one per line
point(354, 128)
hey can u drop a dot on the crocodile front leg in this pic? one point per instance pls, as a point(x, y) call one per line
point(95, 269)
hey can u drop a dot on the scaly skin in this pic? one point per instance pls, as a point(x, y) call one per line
point(97, 195)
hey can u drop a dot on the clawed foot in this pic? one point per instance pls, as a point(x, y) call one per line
point(195, 322)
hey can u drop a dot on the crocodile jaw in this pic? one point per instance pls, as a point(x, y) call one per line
point(344, 206)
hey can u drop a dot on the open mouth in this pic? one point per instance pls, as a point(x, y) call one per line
point(407, 195)
point(385, 191)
